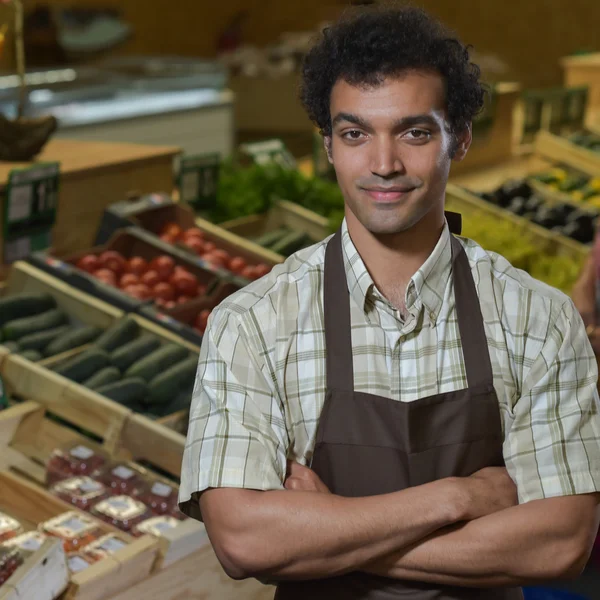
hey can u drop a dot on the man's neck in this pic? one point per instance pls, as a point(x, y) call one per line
point(393, 259)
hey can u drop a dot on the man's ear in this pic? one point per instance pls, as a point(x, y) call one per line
point(462, 143)
point(328, 149)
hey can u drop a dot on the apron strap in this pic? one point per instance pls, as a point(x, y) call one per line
point(478, 365)
point(338, 327)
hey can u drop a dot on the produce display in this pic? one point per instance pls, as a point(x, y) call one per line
point(74, 528)
point(9, 527)
point(135, 369)
point(160, 280)
point(10, 561)
point(577, 188)
point(589, 141)
point(284, 241)
point(82, 492)
point(33, 326)
point(76, 460)
point(107, 545)
point(123, 512)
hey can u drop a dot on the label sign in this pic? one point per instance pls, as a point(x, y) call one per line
point(199, 180)
point(269, 151)
point(30, 206)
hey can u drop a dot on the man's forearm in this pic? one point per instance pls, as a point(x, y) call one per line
point(536, 541)
point(302, 535)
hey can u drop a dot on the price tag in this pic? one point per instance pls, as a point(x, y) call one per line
point(30, 207)
point(269, 151)
point(199, 180)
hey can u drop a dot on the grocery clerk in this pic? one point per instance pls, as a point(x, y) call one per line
point(395, 412)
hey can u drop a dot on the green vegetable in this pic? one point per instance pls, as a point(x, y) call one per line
point(157, 362)
point(72, 339)
point(32, 355)
point(20, 306)
point(168, 384)
point(103, 377)
point(128, 354)
point(268, 239)
point(290, 243)
point(120, 333)
point(128, 392)
point(81, 367)
point(38, 341)
point(11, 346)
point(14, 330)
point(181, 402)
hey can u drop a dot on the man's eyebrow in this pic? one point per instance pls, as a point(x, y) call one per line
point(405, 122)
point(350, 118)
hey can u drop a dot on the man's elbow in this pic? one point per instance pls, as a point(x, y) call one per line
point(574, 558)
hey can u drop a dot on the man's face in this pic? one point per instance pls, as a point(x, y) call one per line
point(391, 149)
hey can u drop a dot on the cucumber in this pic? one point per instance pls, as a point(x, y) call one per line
point(15, 330)
point(118, 334)
point(181, 402)
point(11, 346)
point(38, 341)
point(166, 387)
point(32, 355)
point(72, 339)
point(84, 365)
point(129, 392)
point(124, 356)
point(271, 237)
point(157, 361)
point(103, 377)
point(285, 244)
point(20, 306)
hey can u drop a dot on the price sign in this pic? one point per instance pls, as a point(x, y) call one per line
point(269, 151)
point(30, 206)
point(199, 180)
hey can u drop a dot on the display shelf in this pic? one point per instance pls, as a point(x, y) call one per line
point(561, 150)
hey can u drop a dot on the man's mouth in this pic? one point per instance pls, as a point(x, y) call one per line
point(388, 194)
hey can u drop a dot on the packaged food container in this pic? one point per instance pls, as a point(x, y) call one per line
point(10, 561)
point(30, 541)
point(123, 512)
point(74, 460)
point(9, 527)
point(82, 492)
point(107, 545)
point(78, 562)
point(160, 497)
point(156, 526)
point(76, 530)
point(122, 479)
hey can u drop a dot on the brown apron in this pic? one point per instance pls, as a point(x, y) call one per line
point(368, 445)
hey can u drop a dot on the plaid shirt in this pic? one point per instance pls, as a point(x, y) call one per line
point(261, 379)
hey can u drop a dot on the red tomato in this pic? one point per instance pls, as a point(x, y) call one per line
point(89, 263)
point(185, 283)
point(216, 262)
point(145, 291)
point(165, 237)
point(150, 278)
point(261, 270)
point(248, 272)
point(193, 232)
point(134, 291)
point(160, 302)
point(164, 266)
point(170, 304)
point(137, 265)
point(129, 279)
point(209, 247)
point(201, 290)
point(106, 275)
point(172, 229)
point(183, 299)
point(223, 254)
point(237, 264)
point(202, 319)
point(195, 244)
point(164, 290)
point(114, 261)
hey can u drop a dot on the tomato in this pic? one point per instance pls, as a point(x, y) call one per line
point(216, 262)
point(150, 278)
point(164, 290)
point(248, 272)
point(134, 291)
point(183, 299)
point(106, 275)
point(114, 261)
point(202, 319)
point(185, 283)
point(193, 232)
point(222, 254)
point(170, 304)
point(89, 263)
point(145, 291)
point(129, 279)
point(164, 265)
point(261, 270)
point(195, 244)
point(165, 237)
point(202, 290)
point(237, 264)
point(137, 265)
point(209, 247)
point(172, 229)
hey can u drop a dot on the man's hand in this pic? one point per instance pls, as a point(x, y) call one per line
point(301, 478)
point(488, 491)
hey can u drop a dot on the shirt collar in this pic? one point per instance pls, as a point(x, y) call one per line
point(426, 287)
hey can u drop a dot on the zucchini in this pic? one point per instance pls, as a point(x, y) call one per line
point(271, 237)
point(38, 341)
point(72, 339)
point(20, 306)
point(124, 356)
point(167, 386)
point(129, 392)
point(32, 355)
point(120, 333)
point(157, 361)
point(103, 377)
point(15, 330)
point(286, 244)
point(84, 365)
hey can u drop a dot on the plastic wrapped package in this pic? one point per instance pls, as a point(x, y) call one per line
point(82, 492)
point(107, 545)
point(160, 497)
point(74, 460)
point(156, 526)
point(29, 541)
point(122, 479)
point(75, 529)
point(10, 561)
point(123, 512)
point(9, 527)
point(78, 562)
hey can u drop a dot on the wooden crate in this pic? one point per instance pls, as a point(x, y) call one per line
point(561, 150)
point(44, 575)
point(584, 70)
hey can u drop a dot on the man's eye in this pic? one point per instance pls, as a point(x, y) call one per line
point(419, 134)
point(353, 135)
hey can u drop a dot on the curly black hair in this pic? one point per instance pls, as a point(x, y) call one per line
point(364, 47)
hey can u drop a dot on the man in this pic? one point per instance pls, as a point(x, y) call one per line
point(356, 408)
